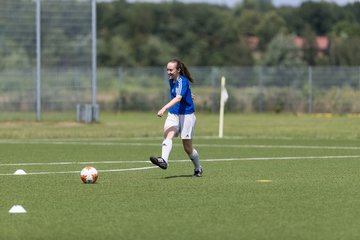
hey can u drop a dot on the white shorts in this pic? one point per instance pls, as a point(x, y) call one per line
point(184, 123)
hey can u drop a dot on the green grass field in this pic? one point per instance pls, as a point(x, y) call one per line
point(311, 160)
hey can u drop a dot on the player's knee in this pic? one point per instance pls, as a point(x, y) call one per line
point(170, 133)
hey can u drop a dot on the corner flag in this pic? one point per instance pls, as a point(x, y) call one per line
point(224, 94)
point(223, 98)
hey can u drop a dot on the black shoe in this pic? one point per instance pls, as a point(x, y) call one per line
point(198, 172)
point(159, 161)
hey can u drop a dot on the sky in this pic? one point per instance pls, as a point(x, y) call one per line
point(234, 2)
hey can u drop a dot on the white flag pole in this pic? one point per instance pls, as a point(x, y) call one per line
point(223, 98)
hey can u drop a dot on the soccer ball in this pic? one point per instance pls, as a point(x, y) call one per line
point(89, 175)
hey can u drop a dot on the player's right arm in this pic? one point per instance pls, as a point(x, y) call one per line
point(173, 102)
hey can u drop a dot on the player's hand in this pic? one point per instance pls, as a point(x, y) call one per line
point(160, 113)
point(193, 97)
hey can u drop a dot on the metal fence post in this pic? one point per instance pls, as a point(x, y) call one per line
point(120, 72)
point(94, 72)
point(261, 90)
point(214, 76)
point(359, 78)
point(166, 82)
point(38, 59)
point(310, 96)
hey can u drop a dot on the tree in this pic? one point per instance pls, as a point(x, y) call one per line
point(156, 52)
point(258, 5)
point(115, 52)
point(247, 22)
point(281, 51)
point(321, 16)
point(294, 22)
point(204, 34)
point(14, 59)
point(309, 48)
point(345, 52)
point(271, 25)
point(354, 9)
point(346, 29)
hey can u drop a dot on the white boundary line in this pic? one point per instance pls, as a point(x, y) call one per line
point(280, 158)
point(78, 172)
point(158, 144)
point(69, 163)
point(185, 160)
point(153, 167)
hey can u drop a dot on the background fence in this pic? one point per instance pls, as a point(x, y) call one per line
point(65, 54)
point(251, 89)
point(66, 76)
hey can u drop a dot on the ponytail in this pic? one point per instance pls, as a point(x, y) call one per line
point(183, 69)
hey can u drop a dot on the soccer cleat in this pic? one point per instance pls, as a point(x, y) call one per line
point(198, 172)
point(159, 161)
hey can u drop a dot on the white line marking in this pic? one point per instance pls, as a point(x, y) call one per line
point(69, 163)
point(294, 146)
point(82, 143)
point(183, 160)
point(158, 144)
point(204, 160)
point(280, 158)
point(128, 169)
point(78, 172)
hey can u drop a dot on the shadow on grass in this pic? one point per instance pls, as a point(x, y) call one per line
point(179, 176)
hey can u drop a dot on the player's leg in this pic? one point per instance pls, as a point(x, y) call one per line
point(187, 126)
point(171, 129)
point(194, 156)
point(169, 134)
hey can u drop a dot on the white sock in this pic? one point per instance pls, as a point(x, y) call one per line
point(194, 156)
point(166, 149)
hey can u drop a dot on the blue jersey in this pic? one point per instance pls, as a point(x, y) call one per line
point(181, 87)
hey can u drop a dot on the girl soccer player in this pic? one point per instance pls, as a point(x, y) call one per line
point(181, 118)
